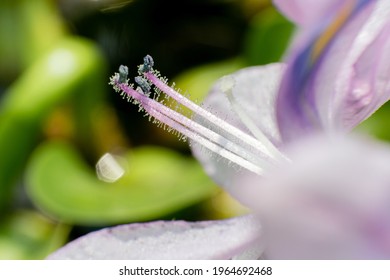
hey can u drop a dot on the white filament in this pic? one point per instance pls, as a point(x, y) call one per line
point(227, 85)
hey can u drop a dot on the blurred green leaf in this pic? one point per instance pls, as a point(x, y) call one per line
point(267, 37)
point(61, 75)
point(28, 29)
point(29, 235)
point(158, 182)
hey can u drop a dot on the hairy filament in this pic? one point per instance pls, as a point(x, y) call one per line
point(204, 136)
point(228, 128)
point(214, 147)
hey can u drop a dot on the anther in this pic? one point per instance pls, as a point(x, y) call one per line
point(123, 72)
point(143, 84)
point(147, 66)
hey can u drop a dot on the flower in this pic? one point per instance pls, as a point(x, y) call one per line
point(316, 196)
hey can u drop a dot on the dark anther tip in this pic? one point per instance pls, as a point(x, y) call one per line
point(143, 84)
point(123, 72)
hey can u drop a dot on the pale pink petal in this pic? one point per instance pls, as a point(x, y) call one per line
point(222, 239)
point(307, 12)
point(368, 87)
point(333, 202)
point(355, 70)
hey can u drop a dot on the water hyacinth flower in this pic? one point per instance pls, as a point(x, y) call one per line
point(257, 133)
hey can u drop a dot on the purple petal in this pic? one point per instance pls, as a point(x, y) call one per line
point(363, 84)
point(333, 202)
point(306, 12)
point(335, 84)
point(223, 239)
point(351, 81)
point(255, 91)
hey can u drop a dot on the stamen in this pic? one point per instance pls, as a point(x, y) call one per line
point(197, 132)
point(224, 126)
point(227, 141)
point(219, 150)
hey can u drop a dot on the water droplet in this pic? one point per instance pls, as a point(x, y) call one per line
point(108, 169)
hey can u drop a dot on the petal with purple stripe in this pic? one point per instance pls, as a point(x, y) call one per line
point(337, 80)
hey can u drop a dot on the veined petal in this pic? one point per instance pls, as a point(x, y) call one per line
point(335, 79)
point(332, 203)
point(222, 239)
point(253, 98)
